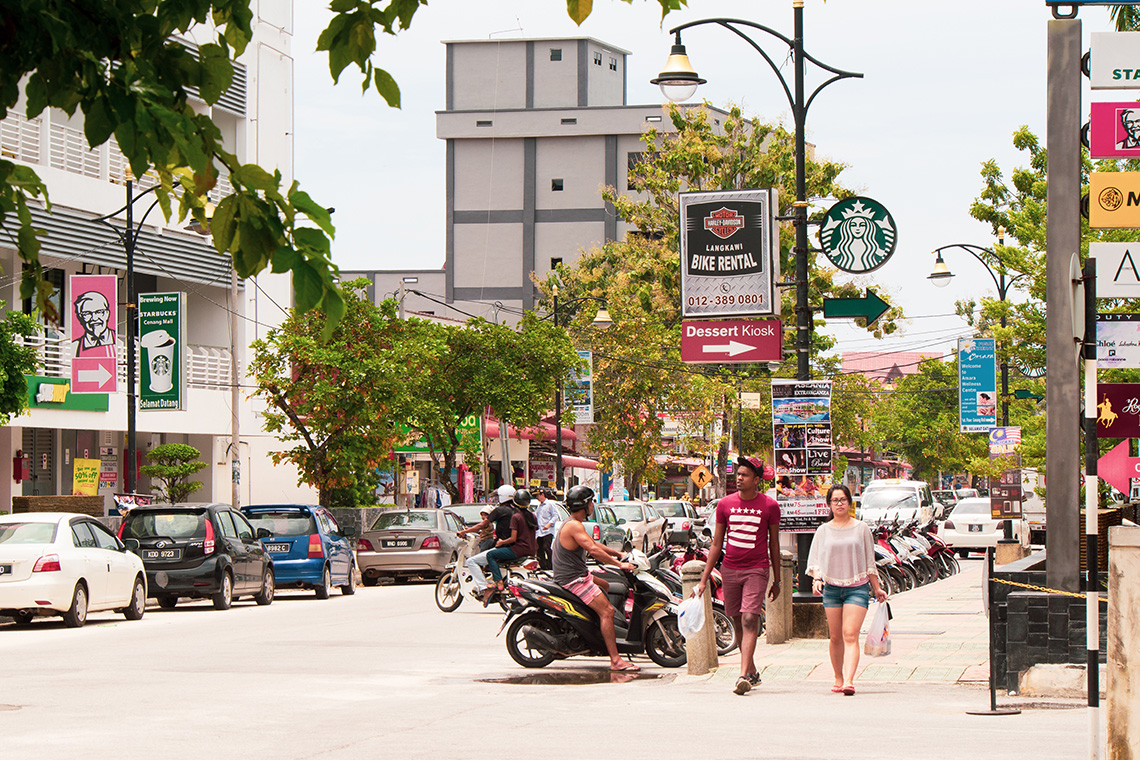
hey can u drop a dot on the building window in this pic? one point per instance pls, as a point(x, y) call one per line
point(653, 118)
point(569, 122)
point(613, 64)
point(556, 185)
point(482, 123)
point(556, 54)
point(555, 263)
point(597, 59)
point(633, 162)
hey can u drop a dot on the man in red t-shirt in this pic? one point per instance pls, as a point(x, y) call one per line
point(751, 522)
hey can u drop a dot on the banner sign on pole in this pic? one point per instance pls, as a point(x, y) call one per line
point(977, 385)
point(469, 427)
point(1114, 130)
point(1114, 202)
point(162, 371)
point(1117, 269)
point(858, 235)
point(1118, 341)
point(730, 253)
point(93, 317)
point(801, 430)
point(736, 341)
point(1114, 60)
point(1005, 491)
point(580, 391)
point(1118, 410)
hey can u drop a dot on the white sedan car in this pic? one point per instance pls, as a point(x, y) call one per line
point(970, 527)
point(59, 563)
point(644, 528)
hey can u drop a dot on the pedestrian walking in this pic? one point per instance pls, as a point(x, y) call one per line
point(547, 517)
point(750, 521)
point(842, 564)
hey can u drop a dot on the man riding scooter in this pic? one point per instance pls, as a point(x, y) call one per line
point(571, 544)
point(500, 517)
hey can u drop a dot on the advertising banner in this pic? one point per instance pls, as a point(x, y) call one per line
point(1114, 201)
point(93, 318)
point(580, 391)
point(162, 376)
point(1118, 341)
point(858, 235)
point(1118, 410)
point(977, 385)
point(803, 515)
point(1005, 491)
point(85, 477)
point(1114, 60)
point(1114, 130)
point(414, 443)
point(730, 253)
point(801, 430)
point(1117, 269)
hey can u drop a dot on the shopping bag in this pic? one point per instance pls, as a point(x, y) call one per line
point(878, 643)
point(691, 615)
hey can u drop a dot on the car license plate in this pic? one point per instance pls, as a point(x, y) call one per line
point(5, 569)
point(975, 528)
point(278, 548)
point(397, 543)
point(164, 554)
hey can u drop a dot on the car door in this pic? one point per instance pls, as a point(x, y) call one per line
point(253, 553)
point(234, 549)
point(120, 578)
point(93, 566)
point(336, 547)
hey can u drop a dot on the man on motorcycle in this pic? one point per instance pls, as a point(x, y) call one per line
point(751, 521)
point(500, 517)
point(521, 542)
point(571, 544)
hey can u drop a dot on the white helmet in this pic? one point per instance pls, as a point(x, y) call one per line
point(505, 493)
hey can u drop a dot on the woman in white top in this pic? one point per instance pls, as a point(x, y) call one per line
point(842, 562)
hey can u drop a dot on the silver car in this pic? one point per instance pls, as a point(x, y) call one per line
point(643, 526)
point(682, 522)
point(408, 542)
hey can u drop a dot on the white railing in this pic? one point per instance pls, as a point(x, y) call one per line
point(20, 138)
point(207, 367)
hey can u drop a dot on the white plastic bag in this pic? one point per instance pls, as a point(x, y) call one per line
point(878, 642)
point(691, 615)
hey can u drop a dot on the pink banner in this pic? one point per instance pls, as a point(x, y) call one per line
point(93, 321)
point(1114, 130)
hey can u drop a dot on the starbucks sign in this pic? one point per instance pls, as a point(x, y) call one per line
point(858, 235)
point(162, 377)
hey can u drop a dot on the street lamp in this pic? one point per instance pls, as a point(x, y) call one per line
point(602, 320)
point(679, 81)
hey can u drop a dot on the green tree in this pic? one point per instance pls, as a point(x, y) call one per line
point(123, 66)
point(339, 400)
point(16, 361)
point(173, 464)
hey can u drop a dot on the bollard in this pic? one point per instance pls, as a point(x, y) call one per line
point(700, 649)
point(778, 618)
point(1123, 685)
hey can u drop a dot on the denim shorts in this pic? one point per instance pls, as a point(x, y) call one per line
point(837, 596)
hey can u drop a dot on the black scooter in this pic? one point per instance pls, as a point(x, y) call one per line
point(547, 623)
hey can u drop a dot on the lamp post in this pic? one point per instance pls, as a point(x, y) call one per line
point(602, 320)
point(679, 81)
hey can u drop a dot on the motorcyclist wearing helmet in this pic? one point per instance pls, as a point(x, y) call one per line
point(571, 544)
point(520, 543)
point(500, 517)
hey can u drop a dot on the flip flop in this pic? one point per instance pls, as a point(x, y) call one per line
point(836, 689)
point(848, 691)
point(628, 667)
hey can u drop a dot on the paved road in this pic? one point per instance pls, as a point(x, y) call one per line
point(385, 674)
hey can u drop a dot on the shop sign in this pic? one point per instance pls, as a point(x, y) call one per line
point(162, 327)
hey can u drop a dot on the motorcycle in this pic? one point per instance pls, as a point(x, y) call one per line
point(547, 623)
point(457, 582)
point(727, 638)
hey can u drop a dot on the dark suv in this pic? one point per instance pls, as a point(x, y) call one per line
point(199, 550)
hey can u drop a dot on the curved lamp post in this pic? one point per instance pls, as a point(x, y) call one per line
point(679, 81)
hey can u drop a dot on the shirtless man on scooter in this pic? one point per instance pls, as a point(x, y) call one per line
point(571, 544)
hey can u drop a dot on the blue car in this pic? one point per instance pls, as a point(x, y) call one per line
point(308, 548)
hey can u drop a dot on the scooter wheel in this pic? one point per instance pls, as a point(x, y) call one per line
point(448, 592)
point(517, 646)
point(664, 643)
point(726, 638)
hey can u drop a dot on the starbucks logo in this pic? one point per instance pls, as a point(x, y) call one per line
point(858, 235)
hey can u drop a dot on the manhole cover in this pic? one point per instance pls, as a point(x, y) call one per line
point(9, 708)
point(577, 678)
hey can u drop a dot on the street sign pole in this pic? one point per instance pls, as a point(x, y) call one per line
point(1092, 503)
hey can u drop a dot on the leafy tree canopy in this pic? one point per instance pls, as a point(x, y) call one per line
point(172, 464)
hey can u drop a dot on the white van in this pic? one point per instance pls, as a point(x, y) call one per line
point(884, 500)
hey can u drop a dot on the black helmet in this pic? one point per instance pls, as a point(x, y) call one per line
point(578, 497)
point(522, 498)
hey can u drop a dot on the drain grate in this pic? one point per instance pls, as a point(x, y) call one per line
point(577, 678)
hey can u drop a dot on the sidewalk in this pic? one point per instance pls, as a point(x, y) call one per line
point(938, 635)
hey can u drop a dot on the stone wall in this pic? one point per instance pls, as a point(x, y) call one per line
point(87, 505)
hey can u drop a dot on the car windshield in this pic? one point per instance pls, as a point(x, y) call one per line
point(420, 518)
point(670, 508)
point(173, 524)
point(468, 513)
point(972, 507)
point(629, 514)
point(890, 498)
point(27, 533)
point(284, 522)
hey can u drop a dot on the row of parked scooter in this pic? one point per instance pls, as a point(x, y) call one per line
point(909, 555)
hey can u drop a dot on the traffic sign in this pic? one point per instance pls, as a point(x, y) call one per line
point(701, 476)
point(1117, 468)
point(737, 341)
point(870, 307)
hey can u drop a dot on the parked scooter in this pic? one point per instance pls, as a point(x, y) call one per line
point(727, 638)
point(457, 582)
point(547, 623)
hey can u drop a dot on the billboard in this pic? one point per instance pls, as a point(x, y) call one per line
point(93, 319)
point(580, 391)
point(801, 429)
point(1118, 341)
point(162, 365)
point(977, 385)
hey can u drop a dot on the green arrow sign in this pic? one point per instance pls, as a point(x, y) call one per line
point(869, 308)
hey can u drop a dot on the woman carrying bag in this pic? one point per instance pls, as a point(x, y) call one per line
point(842, 562)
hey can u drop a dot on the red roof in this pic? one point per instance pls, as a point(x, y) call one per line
point(885, 366)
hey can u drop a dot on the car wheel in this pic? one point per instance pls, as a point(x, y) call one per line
point(268, 588)
point(324, 589)
point(76, 616)
point(370, 580)
point(135, 610)
point(225, 596)
point(349, 588)
point(167, 602)
point(23, 617)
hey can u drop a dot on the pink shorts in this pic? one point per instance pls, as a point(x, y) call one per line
point(584, 588)
point(744, 590)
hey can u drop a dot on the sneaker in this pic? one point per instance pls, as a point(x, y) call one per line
point(743, 685)
point(754, 678)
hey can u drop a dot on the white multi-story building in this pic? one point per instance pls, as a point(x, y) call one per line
point(255, 116)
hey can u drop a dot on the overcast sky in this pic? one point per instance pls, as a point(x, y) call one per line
point(945, 86)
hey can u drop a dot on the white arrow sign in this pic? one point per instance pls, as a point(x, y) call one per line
point(99, 375)
point(732, 348)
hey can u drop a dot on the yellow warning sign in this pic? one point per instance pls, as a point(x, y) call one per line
point(1114, 199)
point(701, 476)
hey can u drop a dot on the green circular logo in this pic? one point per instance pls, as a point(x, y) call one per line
point(858, 235)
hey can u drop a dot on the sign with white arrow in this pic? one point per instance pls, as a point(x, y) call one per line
point(731, 341)
point(93, 374)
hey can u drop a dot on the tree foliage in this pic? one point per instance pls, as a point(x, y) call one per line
point(173, 464)
point(16, 361)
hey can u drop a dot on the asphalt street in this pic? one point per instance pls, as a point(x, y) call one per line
point(386, 674)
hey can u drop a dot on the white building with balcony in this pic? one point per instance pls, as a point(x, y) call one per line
point(255, 116)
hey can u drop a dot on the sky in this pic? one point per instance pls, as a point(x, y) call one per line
point(945, 86)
